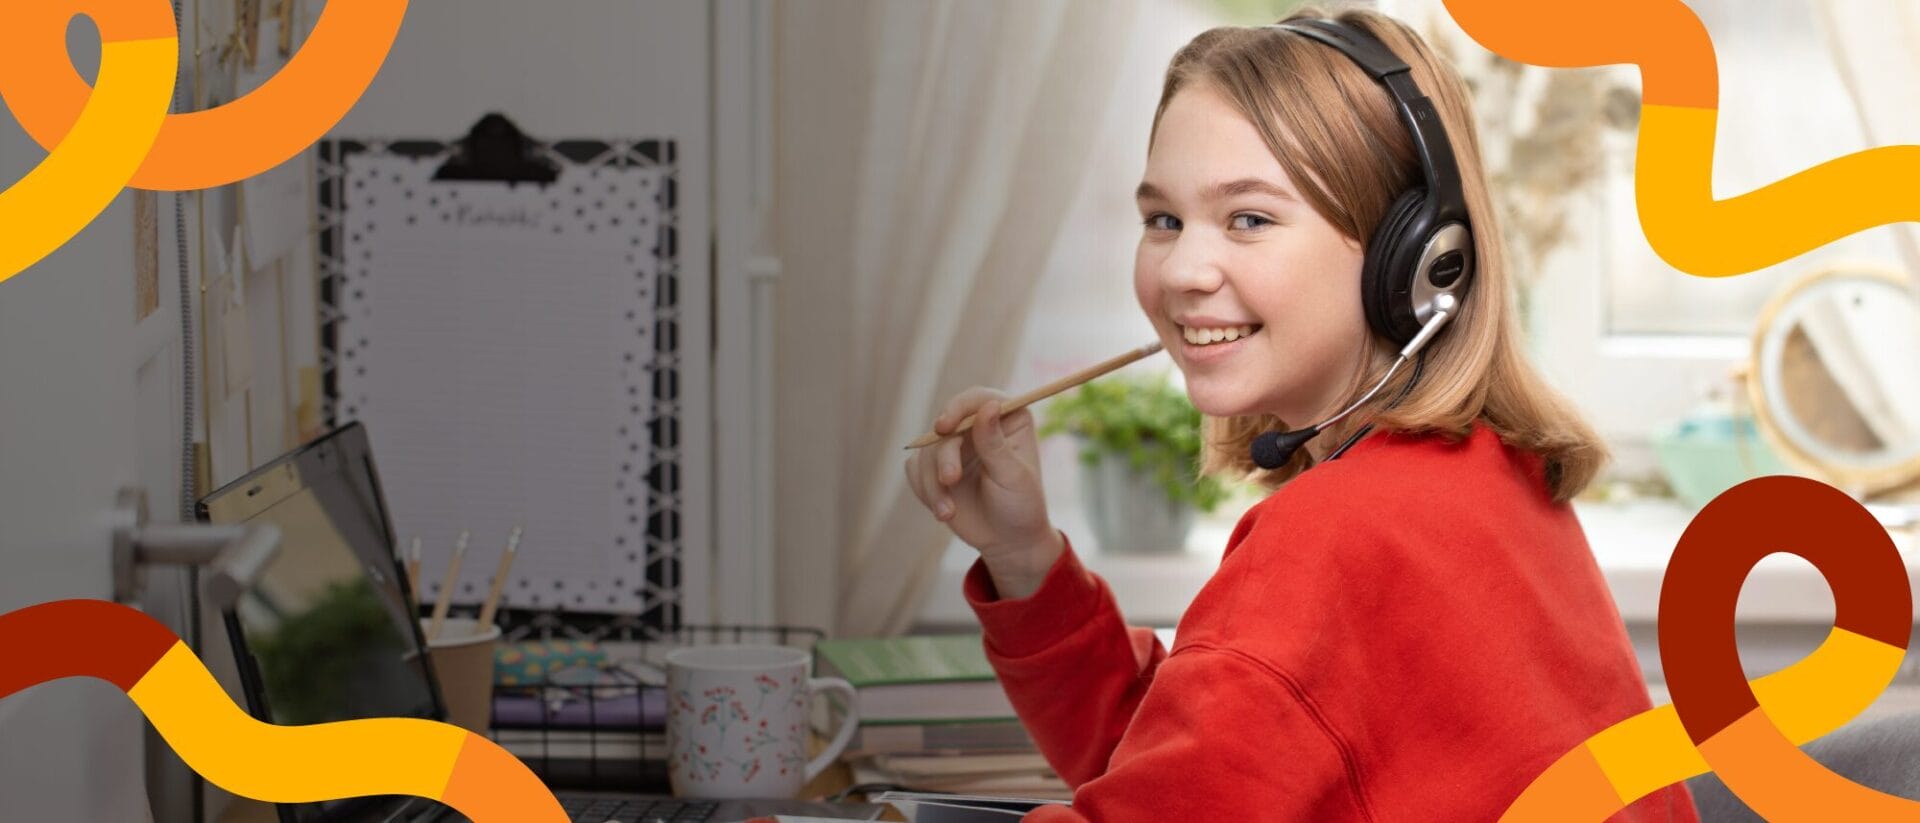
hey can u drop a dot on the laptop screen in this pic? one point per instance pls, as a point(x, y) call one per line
point(327, 632)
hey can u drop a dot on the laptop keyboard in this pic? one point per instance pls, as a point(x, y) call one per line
point(603, 810)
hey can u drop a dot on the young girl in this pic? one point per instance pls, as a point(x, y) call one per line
point(1411, 625)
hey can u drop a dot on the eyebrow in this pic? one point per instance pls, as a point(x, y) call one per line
point(1231, 188)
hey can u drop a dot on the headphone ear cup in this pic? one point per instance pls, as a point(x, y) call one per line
point(1381, 282)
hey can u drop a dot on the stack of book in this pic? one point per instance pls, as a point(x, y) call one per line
point(1003, 775)
point(933, 717)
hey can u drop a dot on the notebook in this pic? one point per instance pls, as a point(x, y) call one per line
point(917, 680)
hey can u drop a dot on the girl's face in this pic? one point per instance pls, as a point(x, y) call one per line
point(1230, 246)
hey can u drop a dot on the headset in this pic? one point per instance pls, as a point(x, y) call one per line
point(1419, 264)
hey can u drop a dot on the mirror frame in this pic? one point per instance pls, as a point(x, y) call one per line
point(1856, 481)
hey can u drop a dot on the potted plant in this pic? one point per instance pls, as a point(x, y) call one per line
point(1139, 461)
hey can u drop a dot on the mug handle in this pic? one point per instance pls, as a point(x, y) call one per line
point(817, 686)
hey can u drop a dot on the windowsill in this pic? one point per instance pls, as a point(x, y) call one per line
point(1631, 541)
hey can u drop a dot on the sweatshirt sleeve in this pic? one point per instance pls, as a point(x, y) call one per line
point(1074, 671)
point(1224, 737)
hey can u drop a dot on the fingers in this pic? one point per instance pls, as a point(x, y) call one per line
point(932, 492)
point(989, 438)
point(912, 468)
point(952, 454)
point(963, 404)
point(933, 471)
point(1016, 422)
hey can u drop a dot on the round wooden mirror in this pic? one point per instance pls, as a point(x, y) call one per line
point(1835, 376)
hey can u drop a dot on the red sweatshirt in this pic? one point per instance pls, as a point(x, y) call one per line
point(1410, 632)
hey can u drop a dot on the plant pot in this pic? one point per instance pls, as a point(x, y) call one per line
point(1129, 511)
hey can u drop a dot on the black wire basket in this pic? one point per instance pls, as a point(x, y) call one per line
point(603, 727)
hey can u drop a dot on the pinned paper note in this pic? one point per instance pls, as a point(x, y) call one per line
point(273, 206)
point(229, 306)
point(146, 254)
point(274, 203)
point(235, 347)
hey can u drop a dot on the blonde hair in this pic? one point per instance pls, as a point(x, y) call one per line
point(1339, 136)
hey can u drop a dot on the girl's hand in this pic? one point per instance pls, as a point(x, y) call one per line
point(985, 485)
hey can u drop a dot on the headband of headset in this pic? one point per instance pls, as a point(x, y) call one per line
point(1416, 110)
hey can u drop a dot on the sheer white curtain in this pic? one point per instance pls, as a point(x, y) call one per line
point(927, 155)
point(1876, 47)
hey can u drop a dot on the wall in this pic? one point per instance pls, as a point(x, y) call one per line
point(580, 69)
point(69, 750)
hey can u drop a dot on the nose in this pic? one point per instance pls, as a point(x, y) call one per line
point(1194, 264)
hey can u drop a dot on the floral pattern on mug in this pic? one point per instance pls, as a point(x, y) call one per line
point(722, 709)
point(699, 766)
point(760, 737)
point(734, 731)
point(747, 768)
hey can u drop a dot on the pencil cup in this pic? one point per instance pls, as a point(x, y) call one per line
point(737, 721)
point(463, 663)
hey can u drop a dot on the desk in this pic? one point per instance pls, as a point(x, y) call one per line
point(836, 778)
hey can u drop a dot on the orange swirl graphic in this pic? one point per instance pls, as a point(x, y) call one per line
point(90, 166)
point(282, 764)
point(1747, 733)
point(99, 140)
point(242, 138)
point(1679, 114)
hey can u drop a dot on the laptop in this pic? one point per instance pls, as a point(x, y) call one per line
point(328, 633)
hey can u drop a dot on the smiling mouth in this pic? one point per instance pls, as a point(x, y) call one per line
point(1226, 334)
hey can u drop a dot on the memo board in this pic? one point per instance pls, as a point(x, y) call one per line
point(515, 353)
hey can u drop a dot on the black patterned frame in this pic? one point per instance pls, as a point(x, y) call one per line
point(660, 507)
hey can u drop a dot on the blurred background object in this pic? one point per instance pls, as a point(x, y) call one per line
point(1139, 439)
point(1834, 378)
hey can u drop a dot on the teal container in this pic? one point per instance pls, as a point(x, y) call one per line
point(1704, 456)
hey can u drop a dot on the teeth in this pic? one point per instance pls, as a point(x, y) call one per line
point(1203, 337)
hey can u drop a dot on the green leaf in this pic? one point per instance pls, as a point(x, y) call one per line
point(1147, 420)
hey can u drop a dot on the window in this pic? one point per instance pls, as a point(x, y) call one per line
point(1633, 342)
point(1783, 108)
point(1085, 309)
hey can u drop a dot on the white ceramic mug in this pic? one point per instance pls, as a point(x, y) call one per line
point(737, 721)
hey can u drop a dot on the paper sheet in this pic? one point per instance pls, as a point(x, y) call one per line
point(496, 343)
point(274, 203)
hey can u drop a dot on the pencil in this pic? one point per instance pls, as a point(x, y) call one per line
point(1045, 391)
point(499, 580)
point(413, 572)
point(446, 588)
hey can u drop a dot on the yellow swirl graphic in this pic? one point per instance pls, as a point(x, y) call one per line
point(120, 133)
point(86, 170)
point(1747, 732)
point(1673, 172)
point(281, 764)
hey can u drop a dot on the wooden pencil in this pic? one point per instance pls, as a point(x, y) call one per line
point(445, 602)
point(413, 572)
point(1045, 392)
point(499, 580)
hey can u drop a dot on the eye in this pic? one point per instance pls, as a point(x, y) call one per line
point(1161, 221)
point(1250, 222)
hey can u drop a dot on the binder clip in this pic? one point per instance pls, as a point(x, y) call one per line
point(495, 149)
